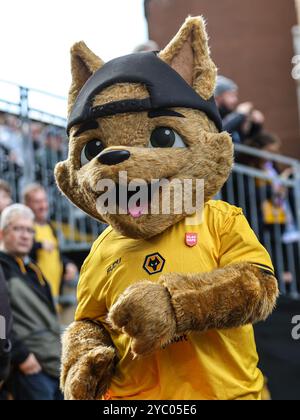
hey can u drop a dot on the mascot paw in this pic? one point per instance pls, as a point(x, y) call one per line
point(145, 313)
point(90, 377)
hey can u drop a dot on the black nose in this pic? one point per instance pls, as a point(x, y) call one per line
point(114, 157)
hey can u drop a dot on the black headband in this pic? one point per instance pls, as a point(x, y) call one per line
point(166, 87)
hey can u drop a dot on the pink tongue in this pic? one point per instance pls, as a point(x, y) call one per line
point(136, 211)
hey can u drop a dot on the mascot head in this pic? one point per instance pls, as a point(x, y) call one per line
point(139, 127)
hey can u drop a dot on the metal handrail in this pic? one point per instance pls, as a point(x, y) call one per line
point(257, 173)
point(43, 92)
point(266, 155)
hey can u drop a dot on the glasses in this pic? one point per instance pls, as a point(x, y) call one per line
point(22, 229)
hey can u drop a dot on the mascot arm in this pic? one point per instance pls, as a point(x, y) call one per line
point(88, 361)
point(152, 314)
point(231, 297)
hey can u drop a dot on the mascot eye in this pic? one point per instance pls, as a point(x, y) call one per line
point(166, 137)
point(91, 150)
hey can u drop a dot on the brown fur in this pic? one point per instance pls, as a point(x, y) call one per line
point(121, 91)
point(209, 155)
point(83, 64)
point(88, 361)
point(231, 297)
point(152, 314)
point(188, 53)
point(149, 332)
point(228, 298)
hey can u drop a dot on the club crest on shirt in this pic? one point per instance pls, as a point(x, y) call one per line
point(191, 239)
point(154, 263)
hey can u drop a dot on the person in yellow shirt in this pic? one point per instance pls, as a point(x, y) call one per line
point(46, 250)
point(166, 301)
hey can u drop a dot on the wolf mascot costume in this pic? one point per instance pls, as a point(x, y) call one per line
point(166, 301)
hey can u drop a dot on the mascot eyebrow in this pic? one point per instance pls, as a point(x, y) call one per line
point(90, 125)
point(155, 113)
point(167, 89)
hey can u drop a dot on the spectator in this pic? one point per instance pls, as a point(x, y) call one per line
point(48, 156)
point(46, 248)
point(276, 210)
point(12, 140)
point(35, 133)
point(5, 195)
point(5, 330)
point(279, 195)
point(11, 143)
point(36, 348)
point(241, 121)
point(11, 170)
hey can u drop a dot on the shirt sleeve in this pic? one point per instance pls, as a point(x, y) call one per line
point(93, 284)
point(238, 243)
point(90, 295)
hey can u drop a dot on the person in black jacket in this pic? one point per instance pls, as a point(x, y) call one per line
point(5, 330)
point(36, 333)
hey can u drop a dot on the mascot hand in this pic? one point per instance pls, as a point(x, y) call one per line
point(88, 379)
point(145, 313)
point(88, 361)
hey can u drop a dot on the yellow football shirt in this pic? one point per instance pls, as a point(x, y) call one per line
point(49, 262)
point(212, 365)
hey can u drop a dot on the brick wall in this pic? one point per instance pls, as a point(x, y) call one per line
point(251, 42)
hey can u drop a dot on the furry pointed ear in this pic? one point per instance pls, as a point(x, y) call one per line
point(188, 53)
point(84, 63)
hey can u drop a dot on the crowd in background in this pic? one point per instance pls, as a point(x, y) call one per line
point(29, 251)
point(29, 246)
point(276, 207)
point(47, 145)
